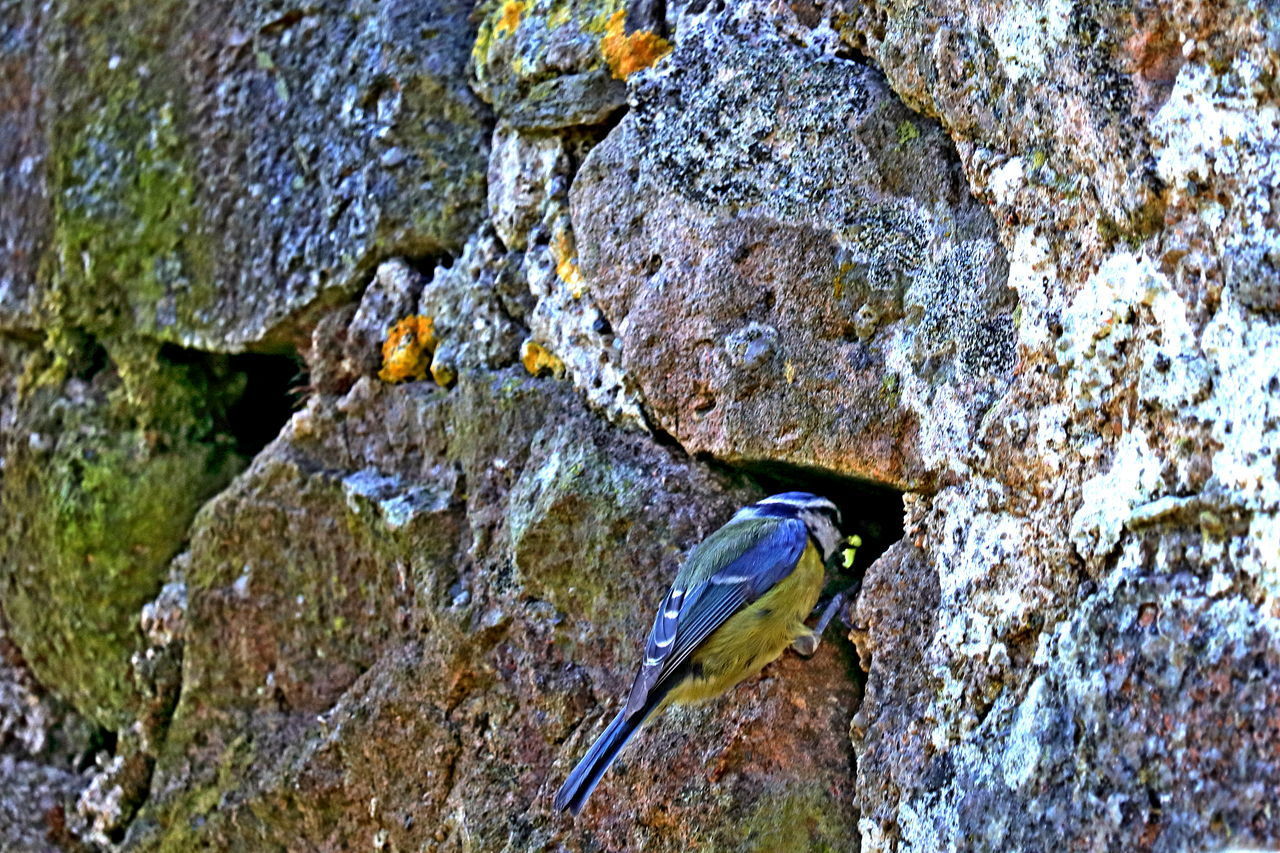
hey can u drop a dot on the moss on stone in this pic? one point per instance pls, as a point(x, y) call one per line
point(100, 492)
point(804, 816)
point(117, 446)
point(187, 822)
point(891, 388)
point(127, 253)
point(572, 501)
point(907, 132)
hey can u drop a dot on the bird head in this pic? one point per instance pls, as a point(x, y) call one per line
point(819, 515)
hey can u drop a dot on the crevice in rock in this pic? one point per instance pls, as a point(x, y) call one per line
point(598, 131)
point(101, 740)
point(270, 384)
point(424, 265)
point(272, 387)
point(871, 510)
point(660, 436)
point(92, 358)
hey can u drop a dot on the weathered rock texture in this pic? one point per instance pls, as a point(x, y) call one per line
point(1001, 277)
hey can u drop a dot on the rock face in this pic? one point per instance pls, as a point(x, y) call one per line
point(367, 370)
point(787, 262)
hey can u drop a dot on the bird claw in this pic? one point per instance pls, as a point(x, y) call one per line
point(836, 605)
point(806, 644)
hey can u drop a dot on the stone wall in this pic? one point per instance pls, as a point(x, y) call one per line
point(366, 370)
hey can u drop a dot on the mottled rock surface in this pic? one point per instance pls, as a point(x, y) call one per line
point(789, 262)
point(1000, 277)
point(221, 168)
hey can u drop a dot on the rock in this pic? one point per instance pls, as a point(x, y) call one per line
point(573, 281)
point(521, 169)
point(767, 190)
point(31, 811)
point(391, 296)
point(214, 192)
point(42, 742)
point(24, 221)
point(542, 67)
point(100, 485)
point(1123, 490)
point(508, 580)
point(471, 316)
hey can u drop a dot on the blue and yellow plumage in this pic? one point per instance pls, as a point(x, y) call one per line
point(736, 604)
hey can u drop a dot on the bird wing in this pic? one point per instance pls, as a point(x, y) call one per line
point(719, 578)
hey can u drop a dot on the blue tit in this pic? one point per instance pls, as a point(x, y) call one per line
point(739, 600)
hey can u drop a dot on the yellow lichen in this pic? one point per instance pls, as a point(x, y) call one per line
point(628, 53)
point(406, 353)
point(499, 24)
point(443, 372)
point(539, 360)
point(907, 132)
point(565, 255)
point(509, 19)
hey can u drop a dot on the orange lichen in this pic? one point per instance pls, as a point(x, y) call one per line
point(539, 360)
point(406, 353)
point(510, 18)
point(628, 53)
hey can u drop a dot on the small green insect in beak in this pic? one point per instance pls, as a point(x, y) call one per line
point(854, 542)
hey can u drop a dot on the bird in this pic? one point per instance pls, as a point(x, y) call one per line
point(740, 599)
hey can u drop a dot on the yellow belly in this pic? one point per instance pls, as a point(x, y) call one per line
point(754, 636)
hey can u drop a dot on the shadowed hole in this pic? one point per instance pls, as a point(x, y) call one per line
point(869, 509)
point(258, 392)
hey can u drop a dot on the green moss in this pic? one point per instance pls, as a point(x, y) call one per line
point(567, 514)
point(190, 821)
point(127, 253)
point(106, 475)
point(890, 389)
point(802, 817)
point(99, 501)
point(907, 132)
point(511, 387)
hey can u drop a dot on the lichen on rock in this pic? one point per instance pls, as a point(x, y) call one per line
point(768, 188)
point(367, 370)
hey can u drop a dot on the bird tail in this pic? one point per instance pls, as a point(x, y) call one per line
point(584, 778)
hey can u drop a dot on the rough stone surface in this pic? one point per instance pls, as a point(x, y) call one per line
point(99, 487)
point(540, 62)
point(24, 222)
point(1107, 575)
point(223, 168)
point(793, 265)
point(1016, 260)
point(41, 742)
point(453, 614)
